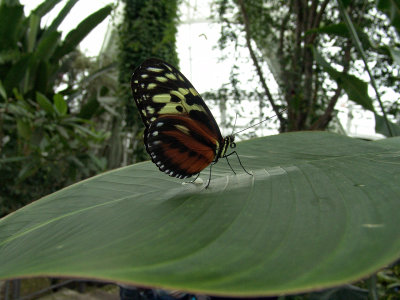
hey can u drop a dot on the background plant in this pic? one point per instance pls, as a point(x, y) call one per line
point(45, 144)
point(311, 55)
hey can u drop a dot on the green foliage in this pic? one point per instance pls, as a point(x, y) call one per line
point(148, 30)
point(44, 145)
point(320, 210)
point(285, 34)
point(44, 148)
point(33, 59)
point(356, 89)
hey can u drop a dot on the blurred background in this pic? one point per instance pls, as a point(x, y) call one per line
point(66, 110)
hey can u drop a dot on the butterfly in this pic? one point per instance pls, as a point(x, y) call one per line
point(181, 135)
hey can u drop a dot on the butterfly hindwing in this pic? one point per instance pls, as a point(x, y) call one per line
point(180, 146)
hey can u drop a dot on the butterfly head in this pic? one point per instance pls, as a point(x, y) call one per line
point(230, 141)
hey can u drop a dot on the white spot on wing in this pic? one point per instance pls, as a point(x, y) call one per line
point(193, 91)
point(162, 98)
point(177, 94)
point(170, 76)
point(161, 79)
point(183, 91)
point(152, 69)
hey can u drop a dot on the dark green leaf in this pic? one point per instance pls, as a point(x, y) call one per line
point(45, 7)
point(82, 30)
point(321, 210)
point(61, 16)
point(47, 46)
point(24, 129)
point(356, 89)
point(381, 127)
point(11, 18)
point(27, 170)
point(44, 103)
point(61, 130)
point(17, 73)
point(60, 104)
point(41, 76)
point(89, 109)
point(346, 3)
point(34, 23)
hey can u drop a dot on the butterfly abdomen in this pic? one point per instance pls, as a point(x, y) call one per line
point(180, 146)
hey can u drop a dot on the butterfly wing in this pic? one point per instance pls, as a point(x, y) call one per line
point(179, 146)
point(181, 136)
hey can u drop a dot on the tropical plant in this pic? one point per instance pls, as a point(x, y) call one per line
point(293, 38)
point(44, 148)
point(45, 145)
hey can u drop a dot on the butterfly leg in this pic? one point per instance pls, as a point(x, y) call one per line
point(227, 160)
point(192, 181)
point(234, 152)
point(209, 177)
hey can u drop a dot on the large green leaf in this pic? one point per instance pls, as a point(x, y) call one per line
point(60, 17)
point(34, 25)
point(11, 17)
point(47, 46)
point(320, 210)
point(75, 36)
point(16, 74)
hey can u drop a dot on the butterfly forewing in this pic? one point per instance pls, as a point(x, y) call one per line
point(181, 136)
point(159, 89)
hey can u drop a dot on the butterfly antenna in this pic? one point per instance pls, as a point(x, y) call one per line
point(283, 110)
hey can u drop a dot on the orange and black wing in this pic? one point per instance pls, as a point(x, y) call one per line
point(181, 136)
point(180, 146)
